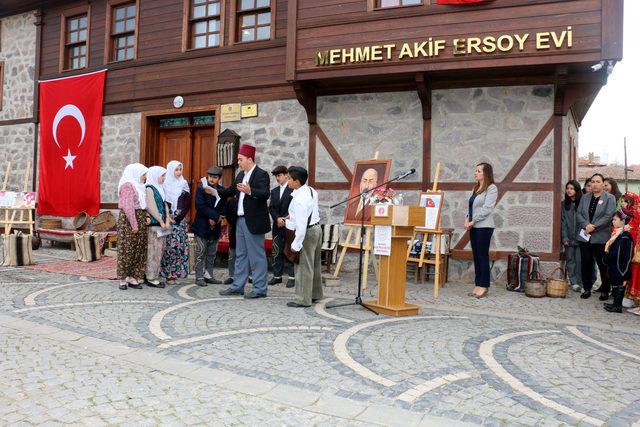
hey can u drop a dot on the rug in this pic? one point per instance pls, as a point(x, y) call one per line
point(104, 268)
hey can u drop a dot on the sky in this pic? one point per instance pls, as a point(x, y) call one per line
point(615, 113)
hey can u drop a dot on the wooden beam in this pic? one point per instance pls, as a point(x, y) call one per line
point(612, 23)
point(467, 255)
point(312, 155)
point(423, 87)
point(306, 95)
point(557, 181)
point(292, 35)
point(334, 154)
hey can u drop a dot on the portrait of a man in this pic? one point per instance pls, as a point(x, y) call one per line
point(368, 175)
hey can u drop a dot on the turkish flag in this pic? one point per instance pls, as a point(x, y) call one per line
point(70, 120)
point(462, 1)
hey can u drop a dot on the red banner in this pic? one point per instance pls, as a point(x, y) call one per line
point(462, 1)
point(70, 120)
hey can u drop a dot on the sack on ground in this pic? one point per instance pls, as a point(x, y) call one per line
point(520, 266)
point(87, 246)
point(17, 249)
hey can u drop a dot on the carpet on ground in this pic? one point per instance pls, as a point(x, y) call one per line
point(104, 268)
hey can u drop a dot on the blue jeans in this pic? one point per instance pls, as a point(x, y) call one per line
point(250, 257)
point(480, 241)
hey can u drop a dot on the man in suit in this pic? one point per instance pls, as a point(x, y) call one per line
point(368, 181)
point(279, 210)
point(251, 189)
point(594, 216)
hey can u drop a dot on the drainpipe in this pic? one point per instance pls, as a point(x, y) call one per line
point(36, 95)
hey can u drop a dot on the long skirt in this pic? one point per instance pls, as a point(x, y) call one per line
point(175, 259)
point(633, 285)
point(132, 247)
point(155, 248)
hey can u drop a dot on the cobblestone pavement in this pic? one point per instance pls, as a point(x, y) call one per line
point(78, 350)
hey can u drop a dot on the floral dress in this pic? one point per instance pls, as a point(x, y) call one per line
point(175, 259)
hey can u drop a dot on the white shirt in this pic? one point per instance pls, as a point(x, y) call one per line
point(302, 205)
point(245, 179)
point(282, 188)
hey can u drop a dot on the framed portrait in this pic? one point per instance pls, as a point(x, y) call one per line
point(367, 175)
point(432, 202)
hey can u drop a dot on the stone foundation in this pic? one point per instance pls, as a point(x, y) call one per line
point(16, 146)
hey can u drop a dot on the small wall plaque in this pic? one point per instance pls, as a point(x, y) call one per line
point(249, 110)
point(230, 113)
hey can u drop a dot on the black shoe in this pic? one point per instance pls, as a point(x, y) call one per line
point(612, 308)
point(603, 296)
point(212, 281)
point(253, 295)
point(230, 291)
point(291, 283)
point(585, 294)
point(151, 284)
point(274, 281)
point(229, 281)
point(161, 285)
point(315, 300)
point(123, 287)
point(295, 304)
point(201, 282)
point(250, 279)
point(135, 286)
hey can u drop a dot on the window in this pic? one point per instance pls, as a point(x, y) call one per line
point(204, 23)
point(381, 4)
point(254, 20)
point(122, 29)
point(75, 42)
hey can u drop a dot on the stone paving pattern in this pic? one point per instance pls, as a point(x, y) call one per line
point(88, 354)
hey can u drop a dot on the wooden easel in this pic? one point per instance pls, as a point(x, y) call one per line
point(8, 222)
point(367, 246)
point(430, 259)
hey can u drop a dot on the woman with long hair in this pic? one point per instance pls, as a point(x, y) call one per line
point(611, 187)
point(480, 224)
point(570, 230)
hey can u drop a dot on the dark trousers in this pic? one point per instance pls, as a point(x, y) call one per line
point(279, 260)
point(480, 241)
point(590, 253)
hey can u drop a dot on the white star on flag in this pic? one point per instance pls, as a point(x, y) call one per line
point(69, 159)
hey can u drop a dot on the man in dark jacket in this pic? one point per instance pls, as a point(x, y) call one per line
point(279, 210)
point(251, 188)
point(206, 226)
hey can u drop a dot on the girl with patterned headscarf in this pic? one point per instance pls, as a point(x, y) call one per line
point(175, 259)
point(160, 223)
point(631, 206)
point(132, 226)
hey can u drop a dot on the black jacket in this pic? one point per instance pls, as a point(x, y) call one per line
point(279, 208)
point(207, 209)
point(256, 212)
point(618, 259)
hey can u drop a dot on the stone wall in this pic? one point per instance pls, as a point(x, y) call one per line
point(120, 146)
point(16, 146)
point(18, 52)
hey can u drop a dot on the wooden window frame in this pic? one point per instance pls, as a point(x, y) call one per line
point(1, 82)
point(372, 5)
point(186, 26)
point(70, 13)
point(233, 33)
point(109, 52)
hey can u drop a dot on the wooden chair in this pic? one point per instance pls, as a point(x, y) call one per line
point(330, 241)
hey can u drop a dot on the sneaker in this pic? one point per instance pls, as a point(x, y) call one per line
point(230, 291)
point(628, 303)
point(576, 288)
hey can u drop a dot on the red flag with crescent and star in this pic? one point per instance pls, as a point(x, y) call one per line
point(70, 121)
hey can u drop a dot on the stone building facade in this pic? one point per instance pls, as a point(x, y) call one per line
point(17, 54)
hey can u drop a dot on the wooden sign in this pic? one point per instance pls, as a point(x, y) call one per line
point(249, 110)
point(230, 113)
point(432, 202)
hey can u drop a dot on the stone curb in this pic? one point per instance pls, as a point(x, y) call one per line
point(285, 395)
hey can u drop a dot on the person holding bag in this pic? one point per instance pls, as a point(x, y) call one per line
point(304, 219)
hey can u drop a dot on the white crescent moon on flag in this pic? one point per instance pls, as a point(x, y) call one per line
point(71, 111)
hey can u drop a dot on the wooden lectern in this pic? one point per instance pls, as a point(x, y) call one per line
point(393, 268)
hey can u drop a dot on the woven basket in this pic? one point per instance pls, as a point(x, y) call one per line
point(535, 286)
point(104, 221)
point(50, 223)
point(81, 221)
point(557, 288)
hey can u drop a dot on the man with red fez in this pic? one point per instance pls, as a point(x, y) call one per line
point(251, 190)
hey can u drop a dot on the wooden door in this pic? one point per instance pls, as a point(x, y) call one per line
point(204, 152)
point(175, 144)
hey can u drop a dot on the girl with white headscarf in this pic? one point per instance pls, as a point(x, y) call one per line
point(175, 260)
point(160, 223)
point(132, 226)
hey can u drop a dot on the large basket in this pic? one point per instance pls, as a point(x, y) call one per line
point(50, 223)
point(535, 286)
point(104, 221)
point(81, 221)
point(557, 288)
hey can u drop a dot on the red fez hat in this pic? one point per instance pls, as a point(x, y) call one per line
point(247, 151)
